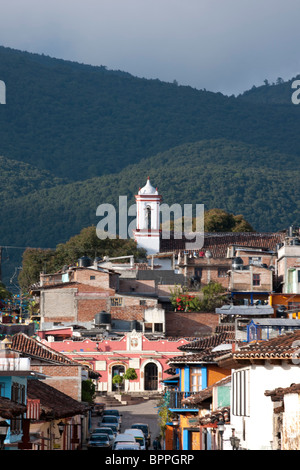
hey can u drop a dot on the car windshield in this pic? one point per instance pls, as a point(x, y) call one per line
point(109, 419)
point(99, 438)
point(104, 431)
point(143, 428)
point(112, 412)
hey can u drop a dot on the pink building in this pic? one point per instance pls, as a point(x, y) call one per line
point(113, 356)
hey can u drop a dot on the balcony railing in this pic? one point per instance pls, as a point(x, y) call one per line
point(176, 399)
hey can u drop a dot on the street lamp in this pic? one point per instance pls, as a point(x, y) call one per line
point(61, 427)
point(221, 428)
point(3, 431)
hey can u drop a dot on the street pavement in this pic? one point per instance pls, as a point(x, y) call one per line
point(145, 412)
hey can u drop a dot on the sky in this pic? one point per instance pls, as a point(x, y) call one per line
point(223, 46)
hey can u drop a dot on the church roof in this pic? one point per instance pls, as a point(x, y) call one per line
point(148, 188)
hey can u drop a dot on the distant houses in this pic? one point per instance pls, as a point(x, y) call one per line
point(229, 376)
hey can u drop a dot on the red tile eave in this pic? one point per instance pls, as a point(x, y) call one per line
point(218, 242)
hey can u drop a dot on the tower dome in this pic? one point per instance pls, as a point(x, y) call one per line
point(148, 188)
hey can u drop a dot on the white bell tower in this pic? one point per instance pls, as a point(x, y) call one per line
point(147, 233)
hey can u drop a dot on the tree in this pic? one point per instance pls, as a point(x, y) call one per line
point(36, 260)
point(117, 380)
point(218, 220)
point(88, 391)
point(213, 296)
point(130, 374)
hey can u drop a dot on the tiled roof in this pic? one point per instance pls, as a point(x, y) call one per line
point(206, 355)
point(278, 393)
point(285, 346)
point(209, 341)
point(31, 347)
point(54, 404)
point(10, 409)
point(212, 418)
point(218, 242)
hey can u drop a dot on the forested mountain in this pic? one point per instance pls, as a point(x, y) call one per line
point(80, 121)
point(73, 136)
point(218, 174)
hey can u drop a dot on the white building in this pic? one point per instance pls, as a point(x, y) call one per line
point(256, 368)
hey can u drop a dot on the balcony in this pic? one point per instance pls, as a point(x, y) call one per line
point(176, 400)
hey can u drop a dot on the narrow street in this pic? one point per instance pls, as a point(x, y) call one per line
point(145, 412)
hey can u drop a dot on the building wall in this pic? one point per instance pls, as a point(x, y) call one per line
point(132, 350)
point(255, 426)
point(212, 269)
point(66, 378)
point(290, 437)
point(215, 373)
point(242, 280)
point(190, 323)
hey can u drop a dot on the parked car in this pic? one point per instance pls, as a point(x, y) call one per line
point(107, 420)
point(145, 428)
point(106, 430)
point(98, 409)
point(99, 441)
point(123, 439)
point(138, 435)
point(113, 413)
point(114, 427)
point(125, 446)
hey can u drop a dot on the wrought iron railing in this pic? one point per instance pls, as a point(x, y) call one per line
point(176, 399)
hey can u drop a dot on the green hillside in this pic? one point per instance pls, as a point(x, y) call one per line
point(79, 121)
point(73, 136)
point(268, 196)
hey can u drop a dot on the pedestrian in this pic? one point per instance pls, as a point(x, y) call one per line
point(156, 444)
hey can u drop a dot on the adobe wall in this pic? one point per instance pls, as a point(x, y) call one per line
point(189, 324)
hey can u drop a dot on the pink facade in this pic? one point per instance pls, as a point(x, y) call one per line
point(112, 357)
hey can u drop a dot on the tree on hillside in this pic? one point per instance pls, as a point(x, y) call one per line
point(218, 220)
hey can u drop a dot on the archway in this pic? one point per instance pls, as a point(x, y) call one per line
point(151, 376)
point(118, 369)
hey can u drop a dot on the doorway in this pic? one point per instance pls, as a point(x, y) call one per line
point(117, 370)
point(151, 376)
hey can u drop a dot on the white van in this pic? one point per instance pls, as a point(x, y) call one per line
point(138, 435)
point(123, 438)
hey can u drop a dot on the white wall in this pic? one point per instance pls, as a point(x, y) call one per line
point(258, 425)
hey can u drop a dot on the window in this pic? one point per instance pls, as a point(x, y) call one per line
point(148, 327)
point(240, 393)
point(92, 278)
point(195, 379)
point(222, 272)
point(158, 327)
point(116, 301)
point(254, 259)
point(256, 279)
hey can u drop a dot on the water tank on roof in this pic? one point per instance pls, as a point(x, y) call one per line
point(102, 318)
point(237, 263)
point(84, 262)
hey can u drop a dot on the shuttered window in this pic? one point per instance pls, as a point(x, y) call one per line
point(240, 393)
